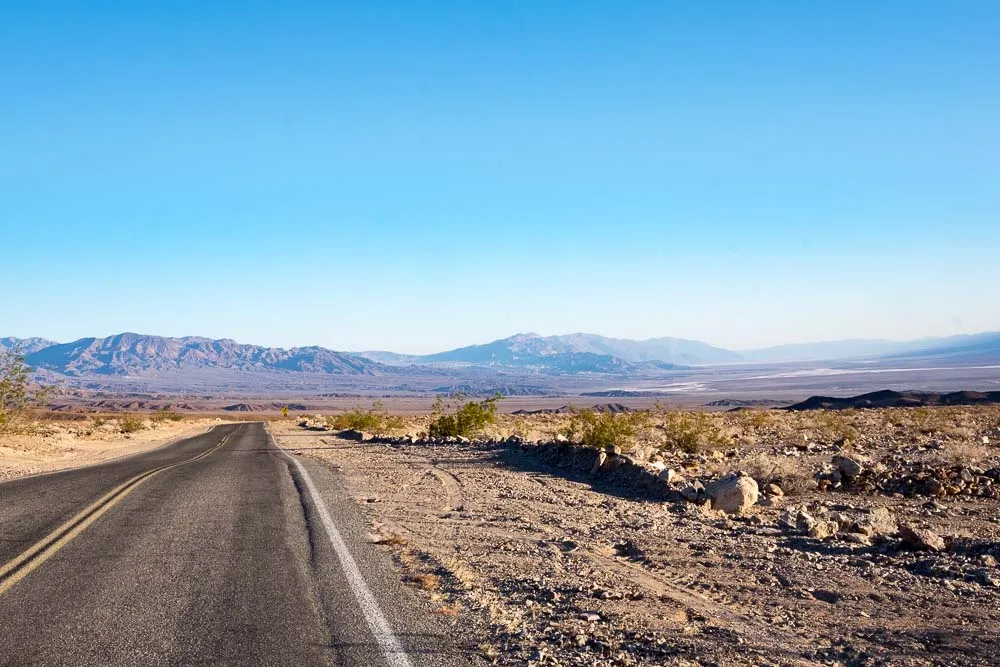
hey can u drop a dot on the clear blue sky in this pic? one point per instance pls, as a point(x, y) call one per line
point(417, 176)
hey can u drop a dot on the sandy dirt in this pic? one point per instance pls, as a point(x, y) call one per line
point(57, 445)
point(543, 565)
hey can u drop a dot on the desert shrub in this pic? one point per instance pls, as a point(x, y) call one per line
point(757, 419)
point(469, 419)
point(788, 473)
point(928, 420)
point(691, 431)
point(376, 419)
point(601, 429)
point(98, 421)
point(130, 424)
point(834, 426)
point(17, 394)
point(164, 415)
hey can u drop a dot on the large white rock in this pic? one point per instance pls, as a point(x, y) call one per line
point(733, 493)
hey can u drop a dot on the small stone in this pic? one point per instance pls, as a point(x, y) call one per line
point(773, 490)
point(670, 476)
point(805, 522)
point(855, 538)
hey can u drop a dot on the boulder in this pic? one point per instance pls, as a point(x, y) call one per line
point(733, 493)
point(881, 521)
point(354, 434)
point(823, 529)
point(921, 539)
point(848, 467)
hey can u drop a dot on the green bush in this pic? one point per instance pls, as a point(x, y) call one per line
point(603, 429)
point(376, 420)
point(130, 424)
point(99, 421)
point(468, 420)
point(17, 393)
point(691, 431)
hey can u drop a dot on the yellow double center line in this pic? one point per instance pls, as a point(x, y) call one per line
point(42, 550)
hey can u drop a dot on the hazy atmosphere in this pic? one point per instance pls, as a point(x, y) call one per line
point(742, 174)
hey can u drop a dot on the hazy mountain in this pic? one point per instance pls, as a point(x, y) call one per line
point(209, 362)
point(28, 345)
point(572, 351)
point(986, 345)
point(549, 351)
point(983, 347)
point(838, 349)
point(132, 354)
point(670, 350)
point(390, 358)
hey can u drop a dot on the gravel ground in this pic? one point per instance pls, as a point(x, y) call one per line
point(544, 564)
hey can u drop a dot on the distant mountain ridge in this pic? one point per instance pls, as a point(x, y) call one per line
point(530, 349)
point(572, 350)
point(27, 345)
point(132, 354)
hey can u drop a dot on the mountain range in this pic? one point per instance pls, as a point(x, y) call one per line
point(130, 354)
point(531, 349)
point(136, 355)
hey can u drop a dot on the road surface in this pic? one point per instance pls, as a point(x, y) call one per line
point(218, 549)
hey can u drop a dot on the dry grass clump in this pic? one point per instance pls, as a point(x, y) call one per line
point(790, 474)
point(391, 539)
point(427, 581)
point(453, 609)
point(161, 416)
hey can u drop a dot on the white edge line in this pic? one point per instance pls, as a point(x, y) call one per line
point(392, 650)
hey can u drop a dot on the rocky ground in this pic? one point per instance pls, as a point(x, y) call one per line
point(859, 538)
point(57, 444)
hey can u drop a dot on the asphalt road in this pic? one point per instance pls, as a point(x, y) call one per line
point(218, 549)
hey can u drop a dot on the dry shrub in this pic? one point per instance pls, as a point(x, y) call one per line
point(691, 432)
point(834, 426)
point(788, 473)
point(165, 415)
point(392, 539)
point(427, 581)
point(375, 419)
point(130, 424)
point(452, 610)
